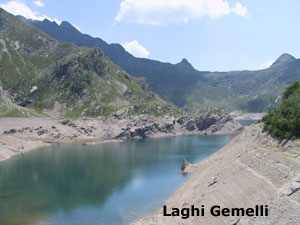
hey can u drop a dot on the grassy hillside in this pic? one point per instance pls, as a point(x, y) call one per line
point(284, 122)
point(252, 91)
point(40, 73)
point(196, 91)
point(169, 81)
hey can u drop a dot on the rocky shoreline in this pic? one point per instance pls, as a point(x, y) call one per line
point(238, 115)
point(19, 135)
point(253, 169)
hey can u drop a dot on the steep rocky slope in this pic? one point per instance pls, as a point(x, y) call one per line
point(41, 73)
point(253, 169)
point(252, 91)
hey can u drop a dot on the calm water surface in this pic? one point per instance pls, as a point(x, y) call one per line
point(247, 122)
point(113, 183)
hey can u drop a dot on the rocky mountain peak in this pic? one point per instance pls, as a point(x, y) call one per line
point(45, 20)
point(284, 58)
point(185, 63)
point(66, 24)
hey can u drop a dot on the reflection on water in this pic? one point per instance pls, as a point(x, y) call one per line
point(112, 183)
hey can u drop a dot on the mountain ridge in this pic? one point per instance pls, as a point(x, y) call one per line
point(46, 75)
point(194, 90)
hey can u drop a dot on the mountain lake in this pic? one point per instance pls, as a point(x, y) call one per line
point(111, 184)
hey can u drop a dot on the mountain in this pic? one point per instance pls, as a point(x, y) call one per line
point(196, 91)
point(41, 74)
point(252, 91)
point(164, 78)
point(283, 59)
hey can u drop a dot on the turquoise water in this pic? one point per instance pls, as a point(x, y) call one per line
point(113, 183)
point(247, 122)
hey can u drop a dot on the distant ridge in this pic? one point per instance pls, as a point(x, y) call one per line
point(180, 83)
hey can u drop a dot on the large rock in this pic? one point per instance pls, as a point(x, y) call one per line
point(11, 131)
point(144, 132)
point(204, 123)
point(166, 128)
point(184, 165)
point(190, 126)
point(182, 120)
point(122, 113)
point(64, 122)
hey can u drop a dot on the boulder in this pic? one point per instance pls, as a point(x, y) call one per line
point(190, 126)
point(42, 131)
point(64, 122)
point(181, 120)
point(184, 164)
point(166, 128)
point(71, 124)
point(11, 131)
point(122, 113)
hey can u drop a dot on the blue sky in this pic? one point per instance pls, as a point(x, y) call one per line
point(217, 35)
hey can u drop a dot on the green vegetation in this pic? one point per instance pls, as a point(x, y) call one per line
point(284, 122)
point(40, 73)
point(181, 84)
point(13, 113)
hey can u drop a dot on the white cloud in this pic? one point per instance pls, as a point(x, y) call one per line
point(39, 3)
point(267, 64)
point(19, 8)
point(158, 12)
point(240, 10)
point(136, 49)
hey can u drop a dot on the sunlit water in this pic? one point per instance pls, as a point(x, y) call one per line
point(113, 183)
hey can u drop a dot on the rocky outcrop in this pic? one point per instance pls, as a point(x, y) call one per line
point(11, 131)
point(147, 126)
point(15, 133)
point(185, 165)
point(203, 123)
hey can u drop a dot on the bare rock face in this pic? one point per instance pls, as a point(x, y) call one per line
point(148, 126)
point(203, 123)
point(211, 122)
